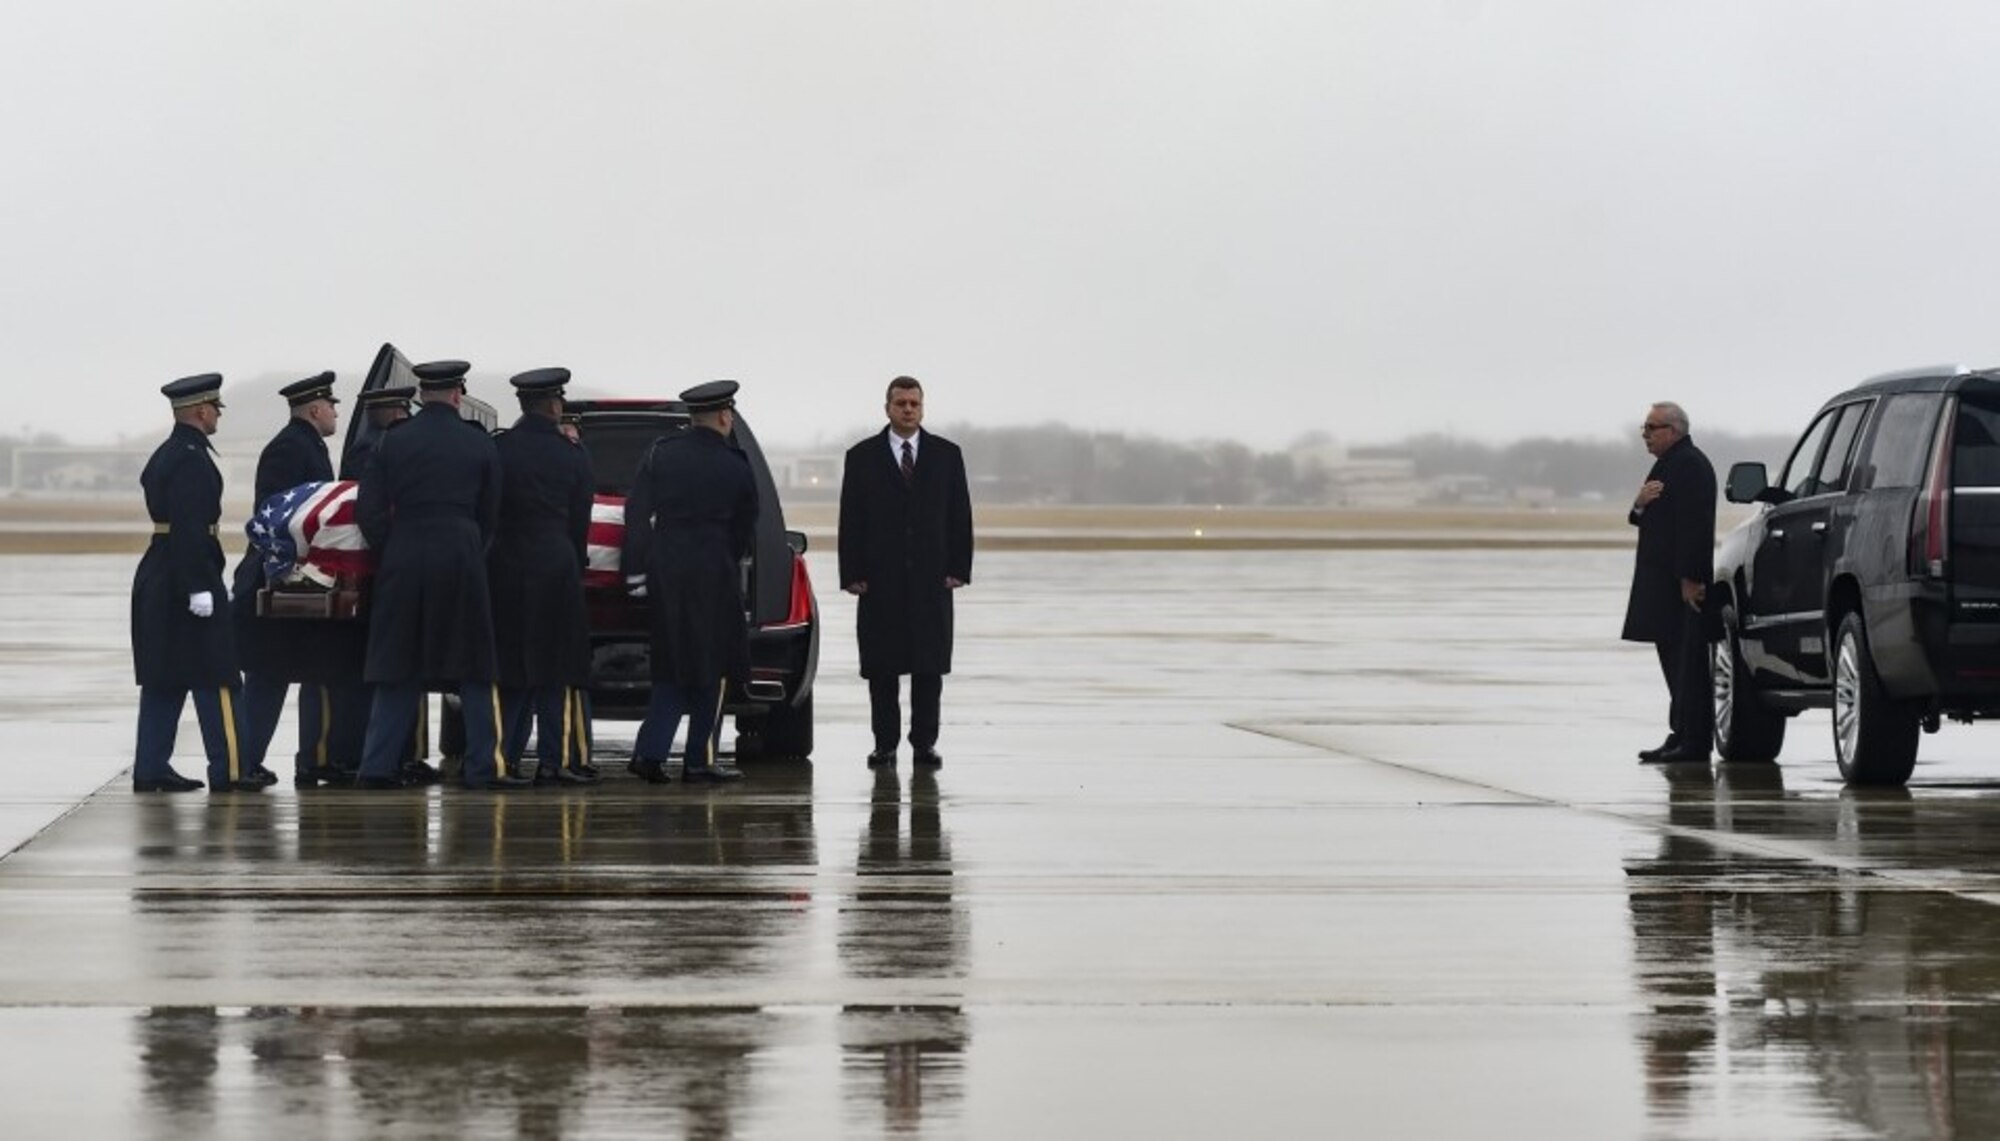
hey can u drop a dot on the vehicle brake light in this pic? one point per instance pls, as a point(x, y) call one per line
point(1935, 533)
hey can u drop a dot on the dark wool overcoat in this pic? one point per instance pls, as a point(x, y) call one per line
point(540, 630)
point(1676, 541)
point(428, 507)
point(689, 524)
point(293, 649)
point(170, 646)
point(903, 540)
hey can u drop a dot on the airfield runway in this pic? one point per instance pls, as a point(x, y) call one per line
point(1228, 843)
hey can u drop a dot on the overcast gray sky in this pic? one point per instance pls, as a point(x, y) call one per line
point(1244, 219)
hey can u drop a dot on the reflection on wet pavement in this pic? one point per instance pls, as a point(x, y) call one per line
point(1286, 844)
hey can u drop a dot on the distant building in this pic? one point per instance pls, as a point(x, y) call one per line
point(1365, 475)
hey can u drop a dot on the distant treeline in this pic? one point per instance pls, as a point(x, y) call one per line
point(1579, 467)
point(1052, 463)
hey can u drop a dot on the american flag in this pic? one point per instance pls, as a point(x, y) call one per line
point(308, 534)
point(607, 538)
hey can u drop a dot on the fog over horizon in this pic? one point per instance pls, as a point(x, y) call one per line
point(1181, 220)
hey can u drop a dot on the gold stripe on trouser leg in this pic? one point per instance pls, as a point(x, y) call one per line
point(228, 709)
point(582, 728)
point(420, 732)
point(325, 727)
point(568, 718)
point(715, 726)
point(499, 754)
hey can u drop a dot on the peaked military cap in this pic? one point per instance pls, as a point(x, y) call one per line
point(310, 389)
point(387, 397)
point(189, 391)
point(540, 383)
point(711, 397)
point(434, 376)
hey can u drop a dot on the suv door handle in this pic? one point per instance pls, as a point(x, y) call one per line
point(1778, 535)
point(1819, 528)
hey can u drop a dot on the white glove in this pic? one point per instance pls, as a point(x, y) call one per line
point(201, 604)
point(635, 585)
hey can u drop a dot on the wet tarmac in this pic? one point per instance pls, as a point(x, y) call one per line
point(1344, 843)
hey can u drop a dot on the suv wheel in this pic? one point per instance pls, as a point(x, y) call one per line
point(1745, 728)
point(1874, 735)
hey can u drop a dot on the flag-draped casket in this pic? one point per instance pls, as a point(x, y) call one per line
point(313, 550)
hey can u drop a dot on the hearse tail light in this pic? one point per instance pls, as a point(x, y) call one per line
point(800, 611)
point(1930, 543)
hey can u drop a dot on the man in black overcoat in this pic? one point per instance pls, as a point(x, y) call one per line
point(180, 644)
point(540, 631)
point(905, 546)
point(689, 523)
point(428, 507)
point(1675, 514)
point(275, 652)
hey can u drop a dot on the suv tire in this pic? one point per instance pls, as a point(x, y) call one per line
point(1745, 728)
point(784, 731)
point(1874, 735)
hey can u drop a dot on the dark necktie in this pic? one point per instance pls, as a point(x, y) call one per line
point(909, 464)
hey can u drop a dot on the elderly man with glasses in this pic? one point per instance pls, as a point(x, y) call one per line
point(1675, 514)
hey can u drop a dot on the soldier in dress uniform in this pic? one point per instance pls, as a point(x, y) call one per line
point(689, 523)
point(275, 652)
point(571, 426)
point(540, 630)
point(180, 645)
point(428, 507)
point(384, 409)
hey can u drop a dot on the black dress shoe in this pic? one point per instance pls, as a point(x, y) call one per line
point(649, 770)
point(881, 760)
point(379, 782)
point(315, 775)
point(261, 776)
point(928, 759)
point(1679, 755)
point(172, 782)
point(241, 784)
point(498, 783)
point(420, 773)
point(710, 775)
point(588, 769)
point(575, 776)
point(1653, 754)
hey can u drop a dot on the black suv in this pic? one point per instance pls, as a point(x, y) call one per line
point(1869, 579)
point(774, 714)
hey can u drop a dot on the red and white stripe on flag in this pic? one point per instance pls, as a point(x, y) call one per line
point(324, 527)
point(607, 540)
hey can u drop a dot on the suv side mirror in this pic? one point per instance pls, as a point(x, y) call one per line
point(1747, 483)
point(796, 540)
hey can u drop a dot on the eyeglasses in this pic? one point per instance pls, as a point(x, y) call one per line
point(1649, 428)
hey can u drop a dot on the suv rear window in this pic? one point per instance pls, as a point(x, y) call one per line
point(1902, 446)
point(1975, 451)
